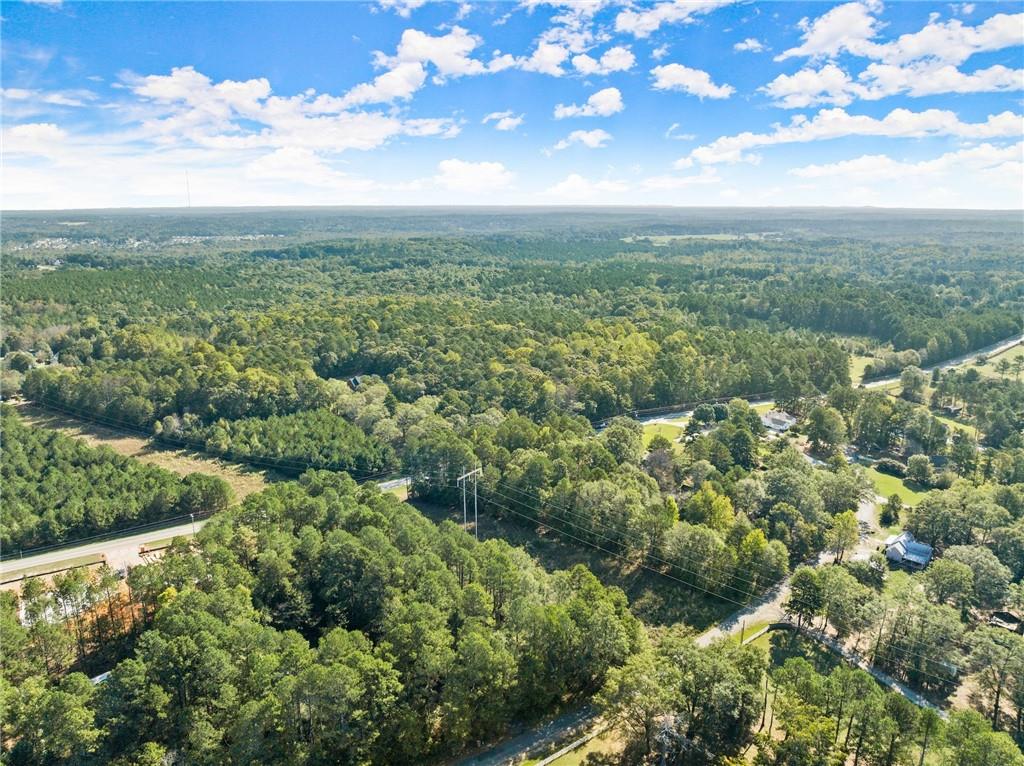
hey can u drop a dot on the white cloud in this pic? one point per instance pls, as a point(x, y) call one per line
point(461, 176)
point(643, 21)
point(576, 188)
point(33, 138)
point(751, 44)
point(403, 8)
point(831, 85)
point(547, 58)
point(302, 166)
point(592, 139)
point(671, 133)
point(617, 59)
point(694, 81)
point(951, 42)
point(926, 79)
point(808, 87)
point(396, 84)
point(449, 53)
point(601, 104)
point(853, 28)
point(1005, 160)
point(659, 53)
point(836, 123)
point(506, 120)
point(848, 27)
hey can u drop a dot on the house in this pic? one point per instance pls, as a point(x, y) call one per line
point(903, 549)
point(778, 421)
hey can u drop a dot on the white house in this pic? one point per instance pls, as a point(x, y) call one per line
point(904, 549)
point(778, 421)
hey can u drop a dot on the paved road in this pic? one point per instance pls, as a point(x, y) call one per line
point(122, 551)
point(514, 749)
point(995, 348)
point(769, 607)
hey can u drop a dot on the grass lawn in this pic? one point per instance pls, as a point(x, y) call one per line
point(957, 424)
point(670, 432)
point(886, 485)
point(989, 368)
point(761, 409)
point(857, 365)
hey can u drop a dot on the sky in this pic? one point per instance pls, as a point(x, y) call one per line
point(415, 102)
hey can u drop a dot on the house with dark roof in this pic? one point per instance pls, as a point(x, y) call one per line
point(904, 550)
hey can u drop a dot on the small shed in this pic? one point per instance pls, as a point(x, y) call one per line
point(904, 550)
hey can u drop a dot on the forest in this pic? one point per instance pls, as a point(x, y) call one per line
point(614, 379)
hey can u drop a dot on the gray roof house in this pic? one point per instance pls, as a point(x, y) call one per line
point(904, 549)
point(778, 421)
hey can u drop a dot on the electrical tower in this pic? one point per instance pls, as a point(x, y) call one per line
point(462, 481)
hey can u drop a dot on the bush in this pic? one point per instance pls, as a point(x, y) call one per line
point(892, 467)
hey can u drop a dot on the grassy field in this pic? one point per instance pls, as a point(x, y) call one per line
point(989, 368)
point(956, 424)
point(670, 432)
point(606, 744)
point(886, 485)
point(243, 479)
point(857, 365)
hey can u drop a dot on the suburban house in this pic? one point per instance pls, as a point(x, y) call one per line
point(778, 421)
point(903, 549)
point(1008, 621)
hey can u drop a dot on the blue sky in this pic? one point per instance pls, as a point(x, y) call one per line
point(676, 102)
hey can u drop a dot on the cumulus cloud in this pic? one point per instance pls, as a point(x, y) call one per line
point(506, 120)
point(808, 87)
point(403, 8)
point(831, 85)
point(693, 81)
point(576, 188)
point(1005, 160)
point(547, 58)
point(644, 20)
point(400, 83)
point(601, 104)
point(462, 176)
point(837, 123)
point(592, 139)
point(33, 138)
point(751, 44)
point(845, 28)
point(853, 28)
point(617, 59)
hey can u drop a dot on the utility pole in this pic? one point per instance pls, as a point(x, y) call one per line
point(461, 481)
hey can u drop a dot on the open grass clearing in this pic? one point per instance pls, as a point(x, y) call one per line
point(886, 485)
point(858, 364)
point(666, 430)
point(244, 480)
point(988, 369)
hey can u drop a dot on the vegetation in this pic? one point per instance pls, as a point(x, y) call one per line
point(322, 622)
point(57, 489)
